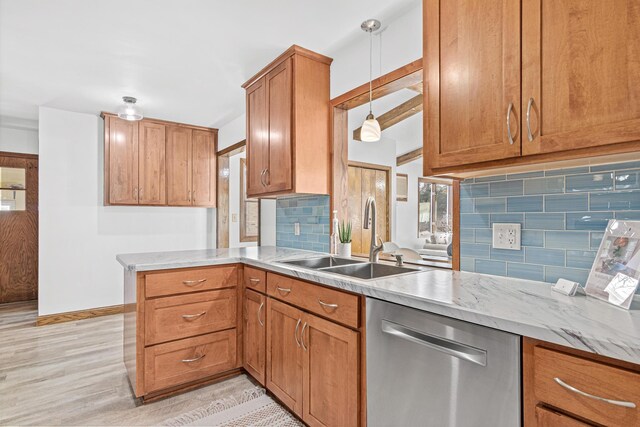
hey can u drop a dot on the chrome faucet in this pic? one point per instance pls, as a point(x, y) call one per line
point(370, 221)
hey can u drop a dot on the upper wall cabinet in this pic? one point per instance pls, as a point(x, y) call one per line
point(288, 126)
point(507, 86)
point(157, 163)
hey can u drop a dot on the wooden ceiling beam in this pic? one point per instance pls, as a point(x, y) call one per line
point(396, 115)
point(409, 157)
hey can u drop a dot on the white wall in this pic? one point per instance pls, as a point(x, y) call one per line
point(267, 222)
point(232, 133)
point(18, 135)
point(79, 237)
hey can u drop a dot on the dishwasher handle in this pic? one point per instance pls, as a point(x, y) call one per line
point(452, 348)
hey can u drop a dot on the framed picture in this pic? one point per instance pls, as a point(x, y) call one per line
point(615, 272)
point(249, 210)
point(402, 187)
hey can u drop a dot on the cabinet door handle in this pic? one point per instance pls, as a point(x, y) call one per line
point(509, 123)
point(135, 193)
point(324, 304)
point(193, 282)
point(591, 396)
point(285, 290)
point(189, 196)
point(262, 177)
point(195, 359)
point(254, 280)
point(295, 332)
point(529, 133)
point(259, 317)
point(267, 176)
point(193, 316)
point(302, 336)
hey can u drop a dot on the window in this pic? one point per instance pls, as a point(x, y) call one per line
point(12, 189)
point(249, 212)
point(434, 207)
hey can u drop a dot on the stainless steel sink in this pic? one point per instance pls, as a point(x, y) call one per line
point(369, 270)
point(322, 262)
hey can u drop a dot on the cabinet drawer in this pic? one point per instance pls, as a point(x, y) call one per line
point(255, 279)
point(335, 305)
point(182, 316)
point(179, 362)
point(595, 378)
point(190, 280)
point(545, 417)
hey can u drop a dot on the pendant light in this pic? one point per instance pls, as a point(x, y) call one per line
point(370, 131)
point(129, 110)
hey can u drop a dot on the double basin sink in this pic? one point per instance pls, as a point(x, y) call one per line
point(351, 267)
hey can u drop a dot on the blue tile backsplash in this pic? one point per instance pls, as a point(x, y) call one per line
point(312, 212)
point(563, 214)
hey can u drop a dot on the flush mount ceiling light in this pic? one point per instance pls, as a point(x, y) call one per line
point(129, 110)
point(370, 131)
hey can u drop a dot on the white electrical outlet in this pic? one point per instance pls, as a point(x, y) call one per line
point(296, 228)
point(506, 236)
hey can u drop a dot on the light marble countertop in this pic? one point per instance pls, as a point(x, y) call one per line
point(518, 306)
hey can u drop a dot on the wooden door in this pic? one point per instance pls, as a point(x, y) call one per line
point(179, 166)
point(203, 152)
point(284, 354)
point(18, 228)
point(255, 335)
point(330, 387)
point(151, 172)
point(279, 84)
point(257, 138)
point(472, 74)
point(123, 161)
point(580, 68)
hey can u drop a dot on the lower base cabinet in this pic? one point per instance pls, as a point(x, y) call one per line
point(255, 335)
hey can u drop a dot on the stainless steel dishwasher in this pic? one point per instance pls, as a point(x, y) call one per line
point(429, 370)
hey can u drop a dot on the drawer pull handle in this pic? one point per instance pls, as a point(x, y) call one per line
point(195, 359)
point(295, 333)
point(285, 290)
point(259, 317)
point(602, 399)
point(302, 336)
point(327, 305)
point(193, 282)
point(254, 280)
point(509, 123)
point(193, 316)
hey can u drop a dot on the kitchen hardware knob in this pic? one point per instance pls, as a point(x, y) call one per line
point(529, 134)
point(193, 282)
point(509, 123)
point(591, 396)
point(302, 336)
point(283, 290)
point(195, 359)
point(327, 305)
point(193, 316)
point(295, 332)
point(259, 317)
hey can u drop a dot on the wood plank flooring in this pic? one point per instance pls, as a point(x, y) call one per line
point(72, 374)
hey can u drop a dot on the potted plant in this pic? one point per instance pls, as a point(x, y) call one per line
point(344, 234)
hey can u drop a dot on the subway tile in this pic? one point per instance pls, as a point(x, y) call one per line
point(544, 256)
point(580, 259)
point(567, 240)
point(506, 188)
point(484, 235)
point(474, 220)
point(566, 202)
point(544, 221)
point(628, 180)
point(544, 185)
point(467, 264)
point(588, 220)
point(567, 171)
point(622, 200)
point(475, 250)
point(589, 182)
point(507, 255)
point(525, 271)
point(466, 205)
point(467, 235)
point(616, 166)
point(552, 274)
point(630, 215)
point(497, 268)
point(490, 205)
point(532, 238)
point(524, 204)
point(474, 190)
point(525, 175)
point(596, 239)
point(491, 178)
point(513, 218)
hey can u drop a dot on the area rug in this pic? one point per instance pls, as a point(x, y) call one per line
point(254, 408)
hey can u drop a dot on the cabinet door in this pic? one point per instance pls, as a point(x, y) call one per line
point(152, 188)
point(123, 162)
point(472, 70)
point(279, 82)
point(330, 388)
point(546, 417)
point(178, 166)
point(257, 138)
point(203, 191)
point(580, 68)
point(284, 354)
point(255, 335)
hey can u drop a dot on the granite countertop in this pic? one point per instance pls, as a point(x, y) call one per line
point(521, 307)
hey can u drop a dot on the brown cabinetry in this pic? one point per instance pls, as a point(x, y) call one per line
point(288, 125)
point(255, 335)
point(512, 83)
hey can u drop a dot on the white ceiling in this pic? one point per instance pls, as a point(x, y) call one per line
point(183, 59)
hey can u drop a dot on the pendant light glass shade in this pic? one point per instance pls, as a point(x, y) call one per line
point(370, 131)
point(129, 110)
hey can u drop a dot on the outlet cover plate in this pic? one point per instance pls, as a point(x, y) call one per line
point(506, 236)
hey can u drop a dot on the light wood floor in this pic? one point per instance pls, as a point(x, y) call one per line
point(72, 374)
